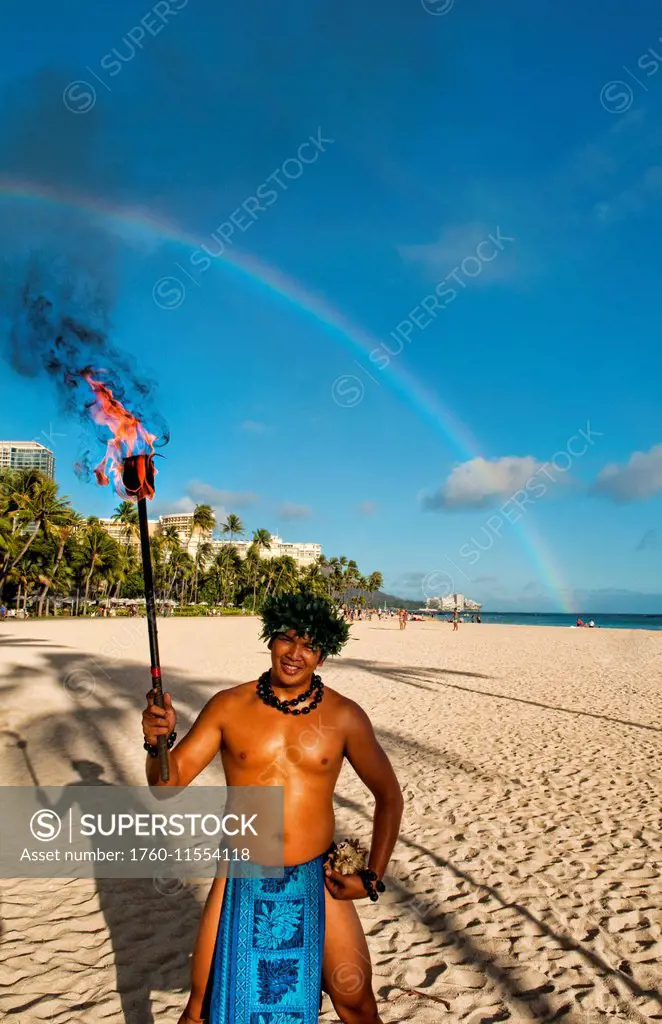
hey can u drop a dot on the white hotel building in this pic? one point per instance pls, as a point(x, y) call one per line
point(448, 603)
point(27, 455)
point(303, 553)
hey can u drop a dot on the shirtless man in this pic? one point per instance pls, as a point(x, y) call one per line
point(303, 751)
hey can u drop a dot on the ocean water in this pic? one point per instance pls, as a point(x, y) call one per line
point(610, 621)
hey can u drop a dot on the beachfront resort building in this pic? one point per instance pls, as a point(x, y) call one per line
point(116, 530)
point(449, 602)
point(27, 455)
point(304, 553)
point(181, 522)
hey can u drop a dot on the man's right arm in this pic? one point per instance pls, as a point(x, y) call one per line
point(198, 748)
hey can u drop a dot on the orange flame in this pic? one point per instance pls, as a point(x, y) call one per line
point(130, 440)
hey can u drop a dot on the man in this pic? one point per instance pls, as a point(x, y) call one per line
point(287, 729)
point(456, 620)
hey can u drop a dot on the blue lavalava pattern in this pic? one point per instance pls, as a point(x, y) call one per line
point(276, 978)
point(277, 924)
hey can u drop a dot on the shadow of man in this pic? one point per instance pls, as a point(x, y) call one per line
point(152, 922)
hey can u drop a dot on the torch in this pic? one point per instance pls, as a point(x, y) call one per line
point(133, 476)
point(138, 479)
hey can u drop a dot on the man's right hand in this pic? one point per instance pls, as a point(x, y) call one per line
point(158, 721)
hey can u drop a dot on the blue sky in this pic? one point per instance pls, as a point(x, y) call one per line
point(506, 160)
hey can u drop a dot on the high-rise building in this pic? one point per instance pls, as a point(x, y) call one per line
point(27, 455)
point(119, 532)
point(189, 537)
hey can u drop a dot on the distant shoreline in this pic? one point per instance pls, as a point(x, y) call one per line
point(651, 621)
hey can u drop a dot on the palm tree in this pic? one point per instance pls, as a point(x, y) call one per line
point(182, 568)
point(171, 540)
point(261, 539)
point(375, 582)
point(100, 554)
point(202, 556)
point(126, 513)
point(172, 552)
point(20, 576)
point(233, 525)
point(6, 537)
point(252, 570)
point(352, 575)
point(204, 522)
point(313, 577)
point(281, 574)
point(35, 511)
point(223, 574)
point(336, 577)
point(62, 534)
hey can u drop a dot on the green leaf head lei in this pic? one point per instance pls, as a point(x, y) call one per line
point(309, 616)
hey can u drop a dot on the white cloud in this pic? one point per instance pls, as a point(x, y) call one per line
point(203, 493)
point(479, 482)
point(290, 510)
point(171, 508)
point(445, 255)
point(633, 200)
point(638, 479)
point(200, 493)
point(253, 427)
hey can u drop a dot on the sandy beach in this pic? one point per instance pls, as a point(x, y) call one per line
point(526, 885)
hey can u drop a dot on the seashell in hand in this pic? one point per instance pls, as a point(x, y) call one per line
point(349, 858)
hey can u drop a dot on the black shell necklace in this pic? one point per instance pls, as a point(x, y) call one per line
point(265, 692)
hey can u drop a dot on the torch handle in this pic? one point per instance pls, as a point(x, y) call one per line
point(150, 607)
point(161, 741)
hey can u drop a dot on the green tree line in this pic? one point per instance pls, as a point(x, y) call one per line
point(48, 551)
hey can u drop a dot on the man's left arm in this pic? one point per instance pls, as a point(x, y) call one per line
point(375, 770)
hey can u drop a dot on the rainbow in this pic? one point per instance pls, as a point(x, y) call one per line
point(128, 222)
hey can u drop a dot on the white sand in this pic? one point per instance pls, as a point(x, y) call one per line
point(527, 883)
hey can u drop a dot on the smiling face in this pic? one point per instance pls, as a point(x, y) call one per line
point(293, 660)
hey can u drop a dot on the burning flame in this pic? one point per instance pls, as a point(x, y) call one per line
point(129, 452)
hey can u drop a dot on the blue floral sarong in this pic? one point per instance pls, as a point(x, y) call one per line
point(267, 965)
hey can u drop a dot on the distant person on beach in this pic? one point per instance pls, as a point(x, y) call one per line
point(3, 612)
point(478, 618)
point(580, 622)
point(456, 620)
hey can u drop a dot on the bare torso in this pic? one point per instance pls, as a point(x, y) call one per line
point(261, 746)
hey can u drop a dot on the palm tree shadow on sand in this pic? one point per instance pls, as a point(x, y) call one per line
point(152, 924)
point(434, 676)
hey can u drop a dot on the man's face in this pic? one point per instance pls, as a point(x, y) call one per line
point(293, 659)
